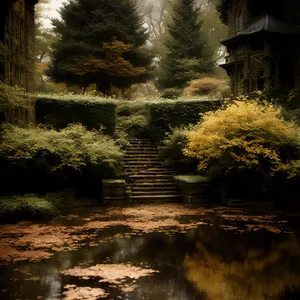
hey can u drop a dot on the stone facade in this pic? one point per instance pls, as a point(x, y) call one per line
point(263, 44)
point(17, 35)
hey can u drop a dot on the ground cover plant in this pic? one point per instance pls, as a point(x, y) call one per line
point(28, 206)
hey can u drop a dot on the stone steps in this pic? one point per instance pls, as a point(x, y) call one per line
point(154, 188)
point(149, 179)
point(153, 176)
point(142, 159)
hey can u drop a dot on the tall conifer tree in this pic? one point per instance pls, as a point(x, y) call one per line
point(100, 42)
point(188, 56)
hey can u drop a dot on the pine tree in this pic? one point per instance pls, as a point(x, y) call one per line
point(188, 56)
point(100, 42)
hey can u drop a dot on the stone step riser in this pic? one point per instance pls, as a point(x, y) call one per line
point(141, 162)
point(142, 145)
point(142, 155)
point(153, 184)
point(162, 176)
point(137, 183)
point(150, 179)
point(154, 193)
point(141, 149)
point(137, 152)
point(150, 173)
point(140, 167)
point(142, 159)
point(135, 143)
point(170, 190)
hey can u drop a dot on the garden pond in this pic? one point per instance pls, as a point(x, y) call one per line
point(155, 252)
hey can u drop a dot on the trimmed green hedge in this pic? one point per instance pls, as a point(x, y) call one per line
point(60, 112)
point(166, 115)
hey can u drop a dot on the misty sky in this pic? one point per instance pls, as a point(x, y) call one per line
point(50, 11)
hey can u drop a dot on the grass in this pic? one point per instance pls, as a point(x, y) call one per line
point(28, 206)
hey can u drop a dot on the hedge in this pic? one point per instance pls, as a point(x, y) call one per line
point(60, 112)
point(166, 115)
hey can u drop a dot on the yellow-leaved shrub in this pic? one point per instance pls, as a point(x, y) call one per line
point(246, 135)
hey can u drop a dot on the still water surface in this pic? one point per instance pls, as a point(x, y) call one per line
point(153, 252)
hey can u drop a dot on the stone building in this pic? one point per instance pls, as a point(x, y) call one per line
point(263, 44)
point(17, 36)
point(17, 60)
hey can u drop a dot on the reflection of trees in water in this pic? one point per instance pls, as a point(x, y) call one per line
point(257, 273)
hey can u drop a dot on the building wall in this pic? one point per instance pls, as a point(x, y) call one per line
point(263, 59)
point(17, 35)
point(19, 40)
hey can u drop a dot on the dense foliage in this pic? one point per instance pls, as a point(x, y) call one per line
point(14, 96)
point(176, 113)
point(188, 56)
point(173, 150)
point(100, 42)
point(246, 136)
point(41, 160)
point(133, 118)
point(73, 147)
point(92, 112)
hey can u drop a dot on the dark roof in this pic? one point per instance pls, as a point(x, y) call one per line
point(269, 24)
point(266, 23)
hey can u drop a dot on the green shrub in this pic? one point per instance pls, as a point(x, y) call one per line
point(133, 118)
point(173, 150)
point(26, 207)
point(246, 137)
point(171, 93)
point(170, 114)
point(92, 112)
point(73, 147)
point(16, 106)
point(40, 156)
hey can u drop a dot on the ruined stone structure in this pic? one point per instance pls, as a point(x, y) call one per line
point(17, 35)
point(263, 44)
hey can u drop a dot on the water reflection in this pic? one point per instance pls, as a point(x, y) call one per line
point(54, 286)
point(242, 267)
point(219, 261)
